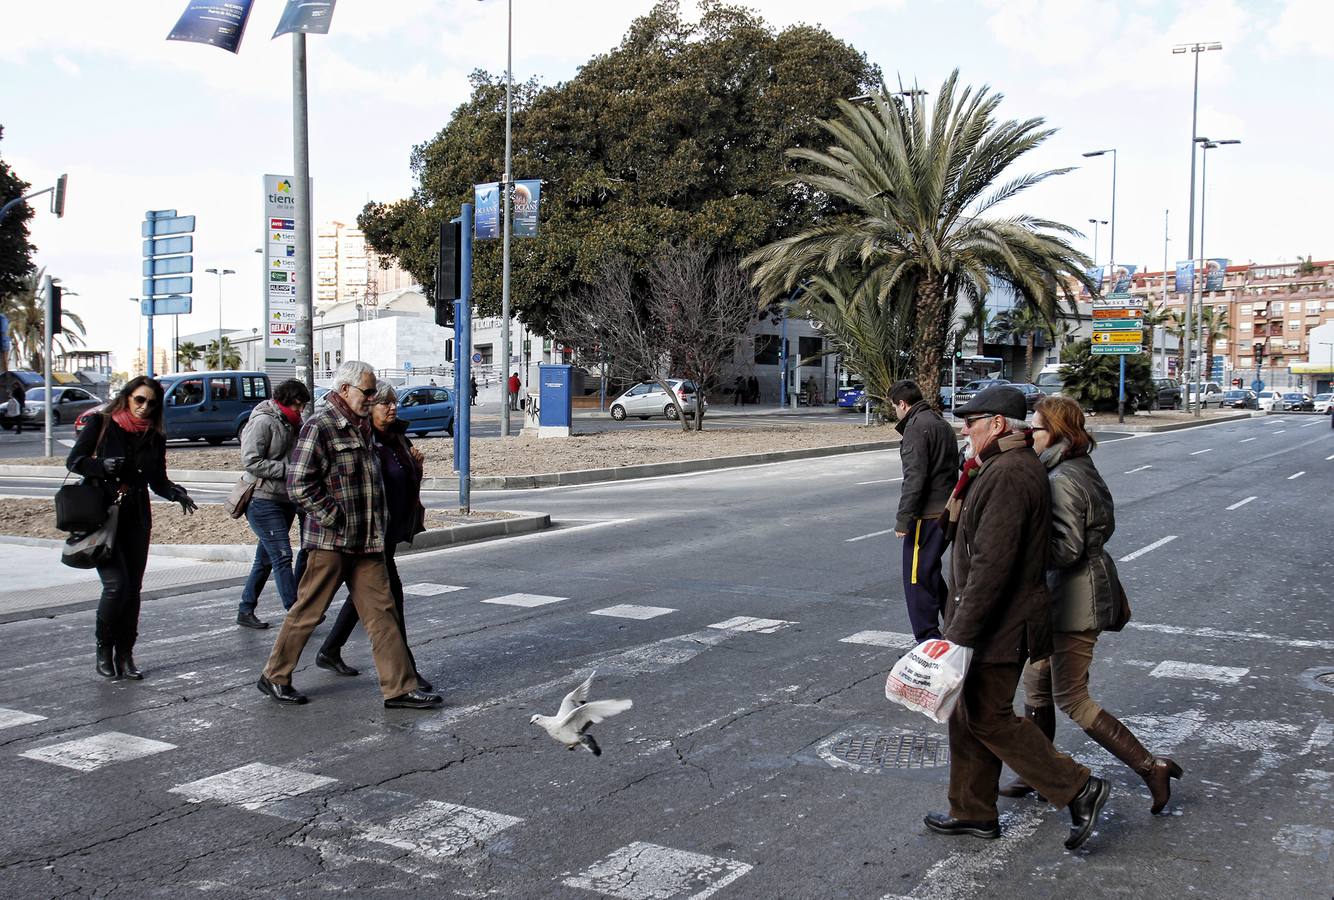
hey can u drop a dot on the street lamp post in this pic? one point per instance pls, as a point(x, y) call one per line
point(220, 274)
point(1111, 271)
point(319, 363)
point(358, 331)
point(1205, 146)
point(1196, 48)
point(1330, 345)
point(1095, 223)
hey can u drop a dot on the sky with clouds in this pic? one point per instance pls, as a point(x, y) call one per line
point(139, 123)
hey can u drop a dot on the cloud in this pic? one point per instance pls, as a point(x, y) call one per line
point(1304, 26)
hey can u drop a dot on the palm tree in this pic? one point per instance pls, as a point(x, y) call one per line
point(187, 354)
point(228, 358)
point(26, 312)
point(979, 321)
point(1024, 321)
point(920, 186)
point(1216, 328)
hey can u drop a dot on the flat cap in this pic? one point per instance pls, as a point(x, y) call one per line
point(1001, 400)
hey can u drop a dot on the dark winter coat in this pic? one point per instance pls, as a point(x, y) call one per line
point(1081, 576)
point(998, 602)
point(402, 483)
point(930, 455)
point(266, 442)
point(144, 455)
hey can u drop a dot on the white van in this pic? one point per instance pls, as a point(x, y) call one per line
point(1049, 380)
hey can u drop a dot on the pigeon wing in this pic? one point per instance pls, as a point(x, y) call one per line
point(581, 717)
point(576, 697)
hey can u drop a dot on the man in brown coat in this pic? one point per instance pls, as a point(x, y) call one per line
point(999, 516)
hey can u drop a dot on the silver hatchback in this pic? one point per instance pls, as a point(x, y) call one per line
point(648, 399)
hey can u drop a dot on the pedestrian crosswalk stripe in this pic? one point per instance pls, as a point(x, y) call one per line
point(428, 589)
point(92, 753)
point(524, 600)
point(10, 718)
point(893, 639)
point(643, 871)
point(438, 829)
point(631, 611)
point(252, 786)
point(1171, 668)
point(747, 623)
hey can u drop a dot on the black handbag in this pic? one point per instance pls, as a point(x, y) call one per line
point(82, 508)
point(88, 551)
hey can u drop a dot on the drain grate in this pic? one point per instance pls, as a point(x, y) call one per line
point(893, 751)
point(1327, 679)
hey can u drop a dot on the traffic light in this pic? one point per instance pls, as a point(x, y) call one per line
point(58, 198)
point(448, 273)
point(57, 294)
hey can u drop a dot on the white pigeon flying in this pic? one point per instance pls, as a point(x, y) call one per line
point(571, 722)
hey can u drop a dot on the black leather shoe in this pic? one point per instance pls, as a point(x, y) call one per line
point(105, 666)
point(1084, 810)
point(125, 666)
point(424, 685)
point(334, 663)
point(250, 620)
point(283, 693)
point(942, 823)
point(414, 700)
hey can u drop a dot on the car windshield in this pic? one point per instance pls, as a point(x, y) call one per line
point(1235, 394)
point(38, 395)
point(1050, 379)
point(1324, 396)
point(1292, 396)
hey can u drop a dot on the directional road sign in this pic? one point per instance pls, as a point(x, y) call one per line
point(1116, 349)
point(169, 246)
point(1114, 324)
point(160, 227)
point(161, 287)
point(1118, 337)
point(168, 265)
point(1116, 312)
point(166, 306)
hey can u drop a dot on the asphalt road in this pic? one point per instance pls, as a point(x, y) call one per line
point(751, 615)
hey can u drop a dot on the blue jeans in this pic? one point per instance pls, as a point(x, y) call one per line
point(271, 520)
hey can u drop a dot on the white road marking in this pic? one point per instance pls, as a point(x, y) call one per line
point(881, 481)
point(1143, 550)
point(1171, 668)
point(1138, 469)
point(65, 442)
point(893, 639)
point(642, 871)
point(863, 537)
point(1240, 503)
point(1328, 458)
point(438, 829)
point(92, 753)
point(1280, 431)
point(1205, 450)
point(1321, 738)
point(747, 623)
point(1234, 635)
point(1309, 424)
point(428, 589)
point(1298, 475)
point(1306, 840)
point(252, 786)
point(10, 718)
point(631, 611)
point(1165, 733)
point(1244, 440)
point(505, 543)
point(525, 600)
point(969, 873)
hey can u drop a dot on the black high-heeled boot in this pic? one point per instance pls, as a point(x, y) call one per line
point(125, 666)
point(105, 667)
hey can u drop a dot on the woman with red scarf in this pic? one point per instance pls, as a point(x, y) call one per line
point(125, 449)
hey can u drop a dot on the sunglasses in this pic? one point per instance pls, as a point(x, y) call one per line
point(140, 400)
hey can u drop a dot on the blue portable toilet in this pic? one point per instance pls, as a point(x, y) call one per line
point(555, 401)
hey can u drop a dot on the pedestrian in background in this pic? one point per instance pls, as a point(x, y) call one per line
point(266, 442)
point(472, 390)
point(929, 453)
point(514, 385)
point(401, 467)
point(753, 389)
point(334, 476)
point(125, 448)
point(1086, 599)
point(1000, 516)
point(739, 391)
point(21, 397)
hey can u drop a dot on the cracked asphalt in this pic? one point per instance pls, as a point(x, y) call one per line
point(726, 774)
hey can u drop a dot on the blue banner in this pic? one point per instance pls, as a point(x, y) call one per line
point(527, 201)
point(220, 23)
point(1121, 279)
point(310, 16)
point(1094, 274)
point(1215, 271)
point(486, 215)
point(1185, 275)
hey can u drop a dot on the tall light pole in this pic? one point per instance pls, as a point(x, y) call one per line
point(1095, 223)
point(1167, 216)
point(1111, 271)
point(1205, 146)
point(1196, 48)
point(1330, 345)
point(220, 274)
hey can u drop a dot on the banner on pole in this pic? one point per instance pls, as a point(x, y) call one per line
point(1215, 270)
point(1121, 278)
point(1185, 275)
point(310, 16)
point(486, 220)
point(527, 201)
point(219, 23)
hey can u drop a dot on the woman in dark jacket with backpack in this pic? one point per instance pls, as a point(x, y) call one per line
point(1086, 598)
point(125, 449)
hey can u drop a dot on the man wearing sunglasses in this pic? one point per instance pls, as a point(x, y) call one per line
point(334, 477)
point(999, 517)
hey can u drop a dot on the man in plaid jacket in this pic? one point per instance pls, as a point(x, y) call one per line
point(333, 476)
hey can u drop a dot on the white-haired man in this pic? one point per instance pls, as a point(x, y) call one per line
point(333, 476)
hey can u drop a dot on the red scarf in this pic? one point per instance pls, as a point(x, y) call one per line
point(131, 423)
point(949, 519)
point(293, 417)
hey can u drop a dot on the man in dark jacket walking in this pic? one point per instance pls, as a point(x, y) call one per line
point(999, 516)
point(930, 456)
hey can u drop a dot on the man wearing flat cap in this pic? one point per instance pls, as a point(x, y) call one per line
point(998, 517)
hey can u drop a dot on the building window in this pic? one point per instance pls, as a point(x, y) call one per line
point(1312, 306)
point(1245, 362)
point(449, 350)
point(810, 349)
point(1245, 326)
point(766, 349)
point(1294, 325)
point(1295, 307)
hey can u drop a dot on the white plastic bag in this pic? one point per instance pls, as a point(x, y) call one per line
point(929, 678)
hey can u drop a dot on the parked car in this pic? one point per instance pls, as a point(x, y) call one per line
point(647, 399)
point(1268, 399)
point(1297, 402)
point(1239, 399)
point(852, 397)
point(67, 403)
point(1032, 394)
point(946, 396)
point(207, 406)
point(427, 409)
point(1321, 403)
point(972, 388)
point(1211, 395)
point(1167, 394)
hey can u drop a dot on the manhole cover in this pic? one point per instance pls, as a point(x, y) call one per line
point(1327, 679)
point(1320, 678)
point(893, 751)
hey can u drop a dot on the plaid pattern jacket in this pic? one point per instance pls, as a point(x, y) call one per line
point(333, 476)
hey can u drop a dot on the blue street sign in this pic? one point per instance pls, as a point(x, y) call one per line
point(160, 214)
point(169, 246)
point(166, 306)
point(161, 287)
point(407, 366)
point(170, 265)
point(159, 227)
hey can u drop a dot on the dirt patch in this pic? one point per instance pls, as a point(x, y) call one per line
point(210, 525)
point(1161, 417)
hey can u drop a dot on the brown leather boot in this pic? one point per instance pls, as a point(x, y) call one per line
point(1118, 740)
point(1045, 718)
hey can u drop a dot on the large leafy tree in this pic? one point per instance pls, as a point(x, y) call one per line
point(676, 135)
point(15, 250)
point(924, 185)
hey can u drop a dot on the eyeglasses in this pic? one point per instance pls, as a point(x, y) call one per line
point(969, 420)
point(140, 400)
point(363, 391)
point(1036, 428)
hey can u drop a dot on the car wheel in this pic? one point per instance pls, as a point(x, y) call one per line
point(420, 434)
point(670, 411)
point(55, 417)
point(618, 412)
point(214, 441)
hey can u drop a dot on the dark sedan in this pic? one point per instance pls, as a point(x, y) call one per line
point(1167, 393)
point(1240, 399)
point(1297, 402)
point(1032, 394)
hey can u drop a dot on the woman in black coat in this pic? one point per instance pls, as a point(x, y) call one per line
point(124, 448)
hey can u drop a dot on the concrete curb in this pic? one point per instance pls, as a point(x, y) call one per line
point(1169, 426)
